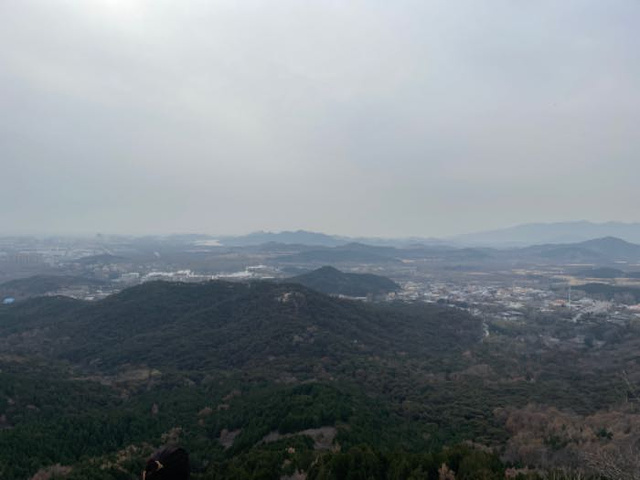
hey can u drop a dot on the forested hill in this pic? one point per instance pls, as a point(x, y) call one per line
point(225, 325)
point(266, 381)
point(334, 282)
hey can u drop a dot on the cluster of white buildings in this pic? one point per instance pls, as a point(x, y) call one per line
point(512, 302)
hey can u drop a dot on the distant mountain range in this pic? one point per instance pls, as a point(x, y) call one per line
point(349, 253)
point(541, 233)
point(304, 237)
point(520, 235)
point(598, 251)
point(299, 237)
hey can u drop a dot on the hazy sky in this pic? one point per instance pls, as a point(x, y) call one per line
point(350, 117)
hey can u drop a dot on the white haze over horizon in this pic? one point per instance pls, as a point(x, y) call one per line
point(363, 118)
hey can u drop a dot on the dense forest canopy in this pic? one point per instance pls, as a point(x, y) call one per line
point(263, 380)
point(332, 281)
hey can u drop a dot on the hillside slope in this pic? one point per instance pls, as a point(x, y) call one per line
point(560, 232)
point(600, 251)
point(332, 281)
point(245, 376)
point(224, 325)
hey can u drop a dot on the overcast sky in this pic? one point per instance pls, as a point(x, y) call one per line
point(355, 117)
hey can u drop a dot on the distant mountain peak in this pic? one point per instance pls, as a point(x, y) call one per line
point(330, 280)
point(553, 233)
point(328, 269)
point(610, 240)
point(298, 237)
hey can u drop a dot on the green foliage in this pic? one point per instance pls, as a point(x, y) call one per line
point(604, 291)
point(332, 281)
point(226, 325)
point(98, 386)
point(364, 463)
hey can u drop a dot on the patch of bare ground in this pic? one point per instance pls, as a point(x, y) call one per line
point(126, 455)
point(297, 475)
point(205, 412)
point(228, 437)
point(10, 358)
point(172, 436)
point(323, 437)
point(51, 472)
point(127, 378)
point(231, 395)
point(550, 438)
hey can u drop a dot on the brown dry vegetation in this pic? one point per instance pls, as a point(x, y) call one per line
point(547, 437)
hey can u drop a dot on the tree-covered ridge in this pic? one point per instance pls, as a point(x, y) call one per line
point(332, 281)
point(226, 325)
point(267, 380)
point(602, 291)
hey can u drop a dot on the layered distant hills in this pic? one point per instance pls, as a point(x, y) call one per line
point(299, 237)
point(542, 233)
point(598, 251)
point(516, 236)
point(357, 253)
point(280, 379)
